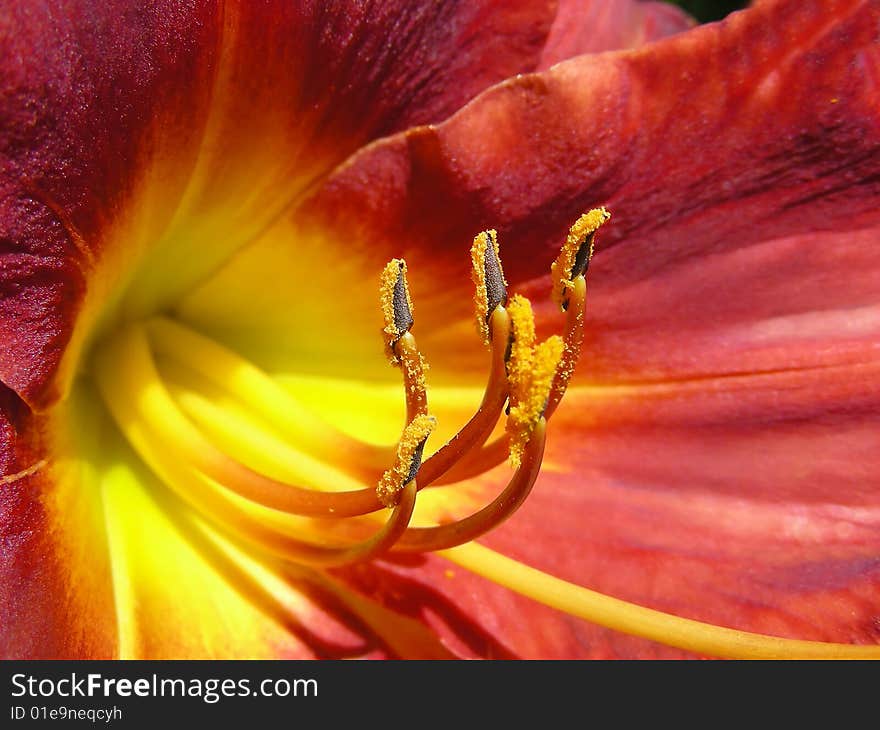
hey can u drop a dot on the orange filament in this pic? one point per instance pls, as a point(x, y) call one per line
point(157, 411)
point(480, 426)
point(277, 518)
point(424, 539)
point(412, 364)
point(118, 368)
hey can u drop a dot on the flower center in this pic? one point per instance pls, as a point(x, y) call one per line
point(322, 477)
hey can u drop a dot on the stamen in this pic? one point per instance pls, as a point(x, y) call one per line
point(629, 618)
point(568, 275)
point(490, 285)
point(494, 326)
point(424, 539)
point(574, 258)
point(520, 376)
point(408, 461)
point(400, 345)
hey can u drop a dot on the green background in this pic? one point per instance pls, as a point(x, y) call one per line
point(707, 10)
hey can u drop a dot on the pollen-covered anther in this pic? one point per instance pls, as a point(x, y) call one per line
point(396, 305)
point(522, 344)
point(488, 277)
point(407, 461)
point(574, 258)
point(529, 400)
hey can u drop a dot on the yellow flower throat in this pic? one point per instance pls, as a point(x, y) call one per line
point(327, 508)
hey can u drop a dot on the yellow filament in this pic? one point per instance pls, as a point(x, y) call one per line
point(259, 392)
point(629, 618)
point(130, 354)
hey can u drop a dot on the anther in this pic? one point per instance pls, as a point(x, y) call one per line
point(529, 402)
point(396, 304)
point(490, 285)
point(574, 258)
point(522, 343)
point(408, 460)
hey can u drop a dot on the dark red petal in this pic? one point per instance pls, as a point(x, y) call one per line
point(180, 131)
point(593, 26)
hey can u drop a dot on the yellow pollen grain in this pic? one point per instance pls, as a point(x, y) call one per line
point(395, 478)
point(560, 270)
point(478, 275)
point(522, 323)
point(393, 270)
point(532, 401)
point(415, 374)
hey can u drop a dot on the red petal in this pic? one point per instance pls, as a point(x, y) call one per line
point(594, 26)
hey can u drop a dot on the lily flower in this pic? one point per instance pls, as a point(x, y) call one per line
point(258, 400)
